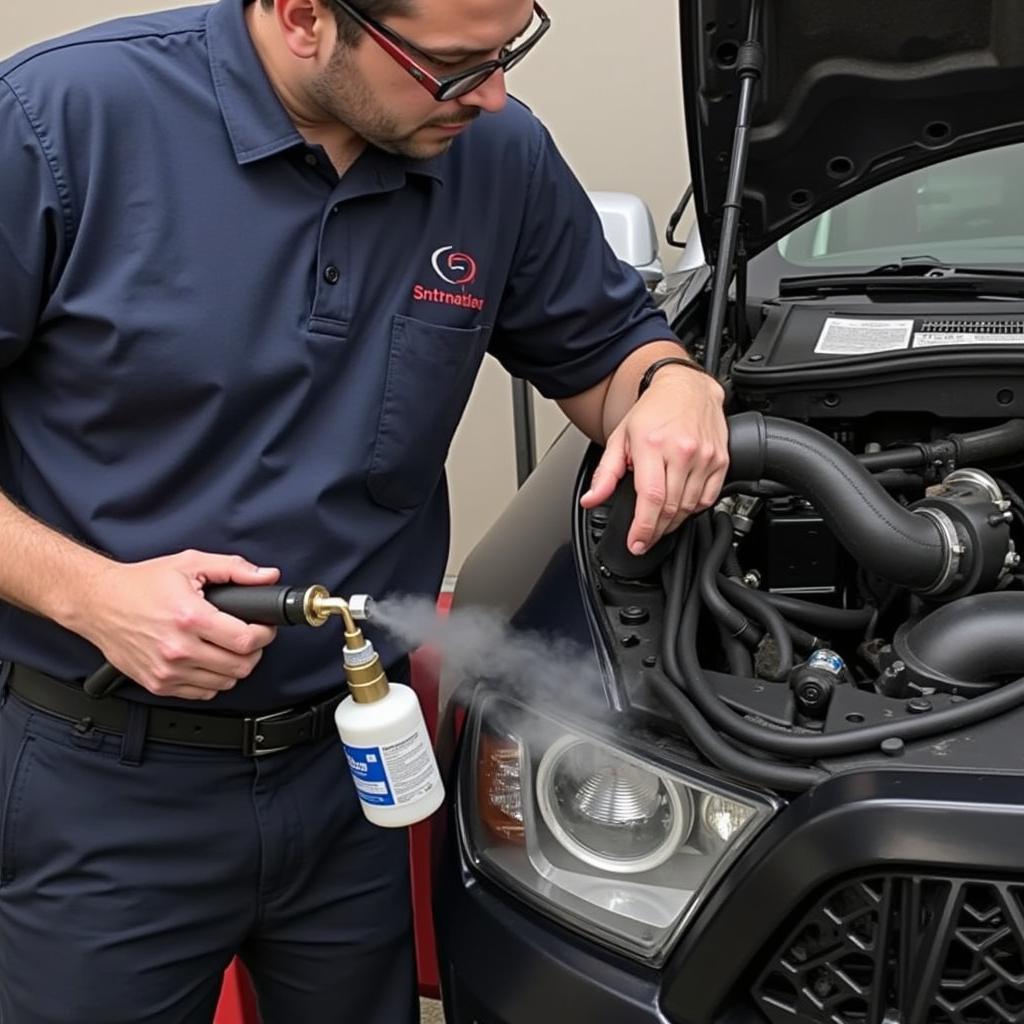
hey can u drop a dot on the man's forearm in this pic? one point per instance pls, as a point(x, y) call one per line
point(41, 570)
point(600, 409)
point(625, 381)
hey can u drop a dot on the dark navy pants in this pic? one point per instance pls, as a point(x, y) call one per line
point(131, 873)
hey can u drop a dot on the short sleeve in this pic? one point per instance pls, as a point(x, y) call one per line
point(571, 311)
point(32, 226)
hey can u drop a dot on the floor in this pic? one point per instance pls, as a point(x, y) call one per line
point(430, 1012)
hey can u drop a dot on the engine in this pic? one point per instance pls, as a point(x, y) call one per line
point(858, 585)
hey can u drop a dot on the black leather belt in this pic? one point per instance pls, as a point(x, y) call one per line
point(253, 735)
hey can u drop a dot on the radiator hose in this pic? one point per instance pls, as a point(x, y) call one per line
point(953, 542)
point(904, 547)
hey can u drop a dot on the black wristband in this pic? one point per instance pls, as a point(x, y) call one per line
point(645, 380)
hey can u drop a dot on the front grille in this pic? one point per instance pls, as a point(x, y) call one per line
point(901, 949)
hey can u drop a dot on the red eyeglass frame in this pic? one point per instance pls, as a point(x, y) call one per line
point(446, 88)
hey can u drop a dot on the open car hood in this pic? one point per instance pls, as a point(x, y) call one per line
point(852, 93)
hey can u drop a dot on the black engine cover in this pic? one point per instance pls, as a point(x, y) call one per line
point(817, 360)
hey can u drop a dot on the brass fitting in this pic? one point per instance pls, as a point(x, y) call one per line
point(366, 679)
point(367, 683)
point(318, 606)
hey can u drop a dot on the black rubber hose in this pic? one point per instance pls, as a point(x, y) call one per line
point(785, 635)
point(731, 566)
point(879, 533)
point(735, 623)
point(731, 625)
point(977, 446)
point(737, 656)
point(977, 640)
point(893, 458)
point(756, 488)
point(718, 750)
point(991, 443)
point(820, 615)
point(696, 686)
point(720, 547)
point(890, 479)
point(787, 778)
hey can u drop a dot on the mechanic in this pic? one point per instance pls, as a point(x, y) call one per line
point(251, 258)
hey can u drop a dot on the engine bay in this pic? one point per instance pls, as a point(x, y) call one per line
point(856, 594)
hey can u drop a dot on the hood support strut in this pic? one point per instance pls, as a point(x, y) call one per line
point(749, 66)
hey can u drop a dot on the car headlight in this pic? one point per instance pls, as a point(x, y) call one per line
point(605, 837)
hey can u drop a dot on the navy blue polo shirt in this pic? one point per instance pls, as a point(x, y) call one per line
point(208, 340)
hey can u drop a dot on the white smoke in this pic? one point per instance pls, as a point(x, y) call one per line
point(479, 643)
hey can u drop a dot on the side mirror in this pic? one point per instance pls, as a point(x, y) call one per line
point(629, 228)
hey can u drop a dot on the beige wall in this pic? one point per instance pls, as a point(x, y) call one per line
point(606, 82)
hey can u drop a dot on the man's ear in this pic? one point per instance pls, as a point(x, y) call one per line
point(305, 26)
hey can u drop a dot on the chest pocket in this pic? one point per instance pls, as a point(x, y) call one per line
point(430, 374)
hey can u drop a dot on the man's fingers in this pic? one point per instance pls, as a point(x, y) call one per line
point(236, 636)
point(610, 470)
point(673, 512)
point(190, 683)
point(216, 659)
point(713, 487)
point(650, 484)
point(687, 481)
point(213, 568)
point(187, 692)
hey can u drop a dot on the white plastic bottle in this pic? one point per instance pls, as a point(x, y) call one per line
point(386, 742)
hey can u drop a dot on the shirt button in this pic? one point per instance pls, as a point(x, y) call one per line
point(311, 159)
point(332, 275)
point(336, 208)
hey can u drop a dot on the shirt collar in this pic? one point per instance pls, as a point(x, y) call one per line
point(257, 123)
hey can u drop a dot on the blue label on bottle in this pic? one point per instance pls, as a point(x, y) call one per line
point(367, 767)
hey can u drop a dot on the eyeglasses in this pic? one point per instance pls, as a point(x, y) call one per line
point(451, 86)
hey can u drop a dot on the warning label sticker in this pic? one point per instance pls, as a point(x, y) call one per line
point(847, 336)
point(937, 339)
point(368, 773)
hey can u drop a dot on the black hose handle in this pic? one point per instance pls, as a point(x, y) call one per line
point(106, 679)
point(268, 606)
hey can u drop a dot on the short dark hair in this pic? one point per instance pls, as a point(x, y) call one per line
point(348, 30)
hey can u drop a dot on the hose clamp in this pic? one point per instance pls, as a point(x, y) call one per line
point(978, 479)
point(952, 549)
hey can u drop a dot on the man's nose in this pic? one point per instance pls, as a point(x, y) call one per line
point(490, 95)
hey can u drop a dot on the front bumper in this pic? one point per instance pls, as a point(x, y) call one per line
point(957, 839)
point(502, 964)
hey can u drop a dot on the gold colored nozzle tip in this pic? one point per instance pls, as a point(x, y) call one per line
point(318, 606)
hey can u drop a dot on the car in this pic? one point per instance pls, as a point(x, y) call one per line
point(772, 771)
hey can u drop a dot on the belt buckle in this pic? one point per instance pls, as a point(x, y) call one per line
point(251, 736)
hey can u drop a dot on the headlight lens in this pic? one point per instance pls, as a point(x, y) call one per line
point(607, 811)
point(605, 838)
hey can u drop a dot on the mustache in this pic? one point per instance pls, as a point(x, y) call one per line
point(451, 122)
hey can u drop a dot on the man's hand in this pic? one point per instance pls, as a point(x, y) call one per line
point(676, 442)
point(151, 621)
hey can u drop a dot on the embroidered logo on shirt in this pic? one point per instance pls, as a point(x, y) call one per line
point(453, 268)
point(460, 266)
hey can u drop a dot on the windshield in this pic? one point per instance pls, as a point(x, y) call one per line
point(968, 210)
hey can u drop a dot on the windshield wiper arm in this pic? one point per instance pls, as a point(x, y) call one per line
point(921, 274)
point(930, 266)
